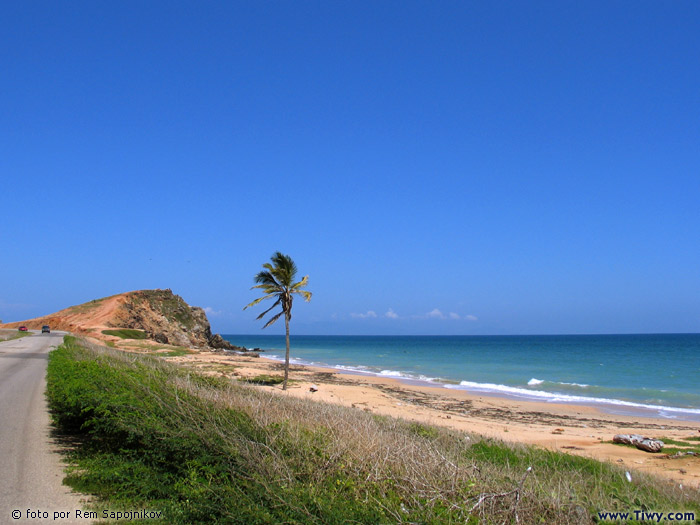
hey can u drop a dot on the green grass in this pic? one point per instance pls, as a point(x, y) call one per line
point(265, 379)
point(689, 444)
point(176, 351)
point(126, 333)
point(209, 450)
point(425, 431)
point(161, 350)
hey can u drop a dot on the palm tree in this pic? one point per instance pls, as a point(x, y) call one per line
point(277, 282)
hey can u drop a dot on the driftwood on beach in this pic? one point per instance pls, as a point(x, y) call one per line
point(641, 442)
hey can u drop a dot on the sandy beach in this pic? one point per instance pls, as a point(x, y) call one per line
point(575, 429)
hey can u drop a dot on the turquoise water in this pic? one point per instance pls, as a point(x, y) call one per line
point(649, 374)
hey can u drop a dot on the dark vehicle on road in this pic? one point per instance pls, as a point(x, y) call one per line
point(45, 329)
point(23, 329)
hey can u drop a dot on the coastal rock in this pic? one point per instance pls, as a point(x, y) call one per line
point(167, 318)
point(219, 343)
point(164, 316)
point(641, 442)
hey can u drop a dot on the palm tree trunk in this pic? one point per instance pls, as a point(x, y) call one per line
point(286, 357)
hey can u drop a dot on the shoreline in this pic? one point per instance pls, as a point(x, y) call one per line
point(578, 429)
point(609, 406)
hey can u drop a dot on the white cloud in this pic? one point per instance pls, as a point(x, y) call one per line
point(435, 314)
point(210, 311)
point(371, 314)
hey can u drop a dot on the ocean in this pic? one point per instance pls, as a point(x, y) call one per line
point(647, 374)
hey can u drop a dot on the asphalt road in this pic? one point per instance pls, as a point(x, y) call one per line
point(31, 471)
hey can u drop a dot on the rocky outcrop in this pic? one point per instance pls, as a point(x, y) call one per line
point(219, 343)
point(167, 318)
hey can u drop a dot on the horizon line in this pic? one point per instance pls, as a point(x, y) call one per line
point(470, 335)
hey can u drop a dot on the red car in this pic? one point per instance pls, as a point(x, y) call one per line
point(23, 329)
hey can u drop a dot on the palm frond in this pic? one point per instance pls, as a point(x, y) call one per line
point(296, 289)
point(259, 299)
point(305, 294)
point(273, 319)
point(267, 278)
point(284, 268)
point(268, 288)
point(278, 301)
point(301, 283)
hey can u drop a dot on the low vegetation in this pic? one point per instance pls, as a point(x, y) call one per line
point(681, 445)
point(151, 347)
point(126, 333)
point(265, 379)
point(203, 449)
point(167, 304)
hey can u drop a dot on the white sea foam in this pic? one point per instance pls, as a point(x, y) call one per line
point(393, 373)
point(292, 360)
point(534, 382)
point(492, 388)
point(405, 375)
point(358, 368)
point(564, 398)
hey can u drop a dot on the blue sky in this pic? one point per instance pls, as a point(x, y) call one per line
point(436, 167)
